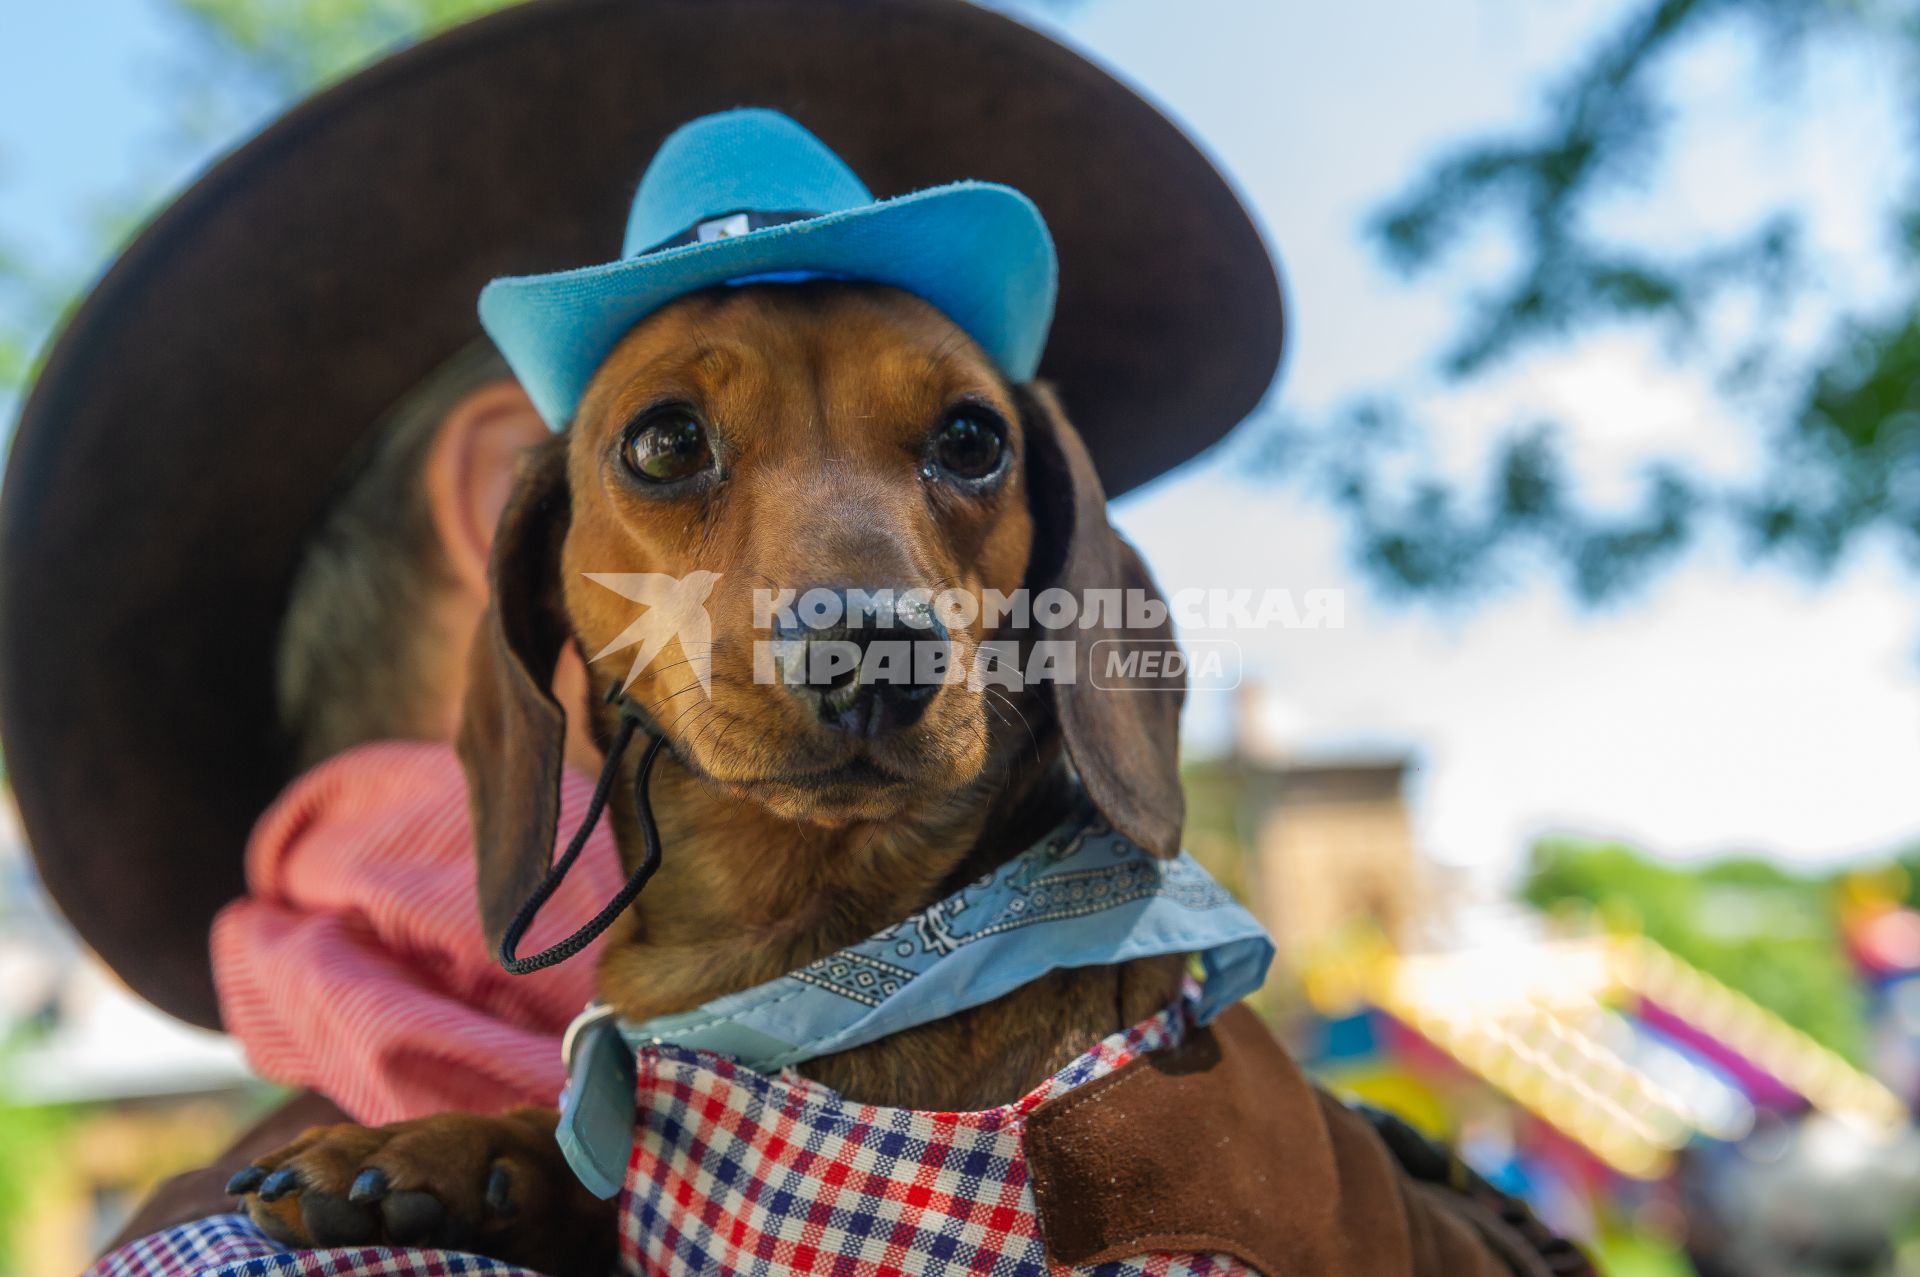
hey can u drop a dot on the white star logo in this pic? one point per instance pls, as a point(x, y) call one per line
point(675, 609)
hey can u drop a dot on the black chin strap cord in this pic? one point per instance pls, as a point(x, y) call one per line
point(643, 804)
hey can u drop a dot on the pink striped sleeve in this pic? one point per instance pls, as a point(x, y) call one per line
point(356, 964)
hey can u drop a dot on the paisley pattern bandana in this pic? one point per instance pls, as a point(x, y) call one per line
point(1082, 896)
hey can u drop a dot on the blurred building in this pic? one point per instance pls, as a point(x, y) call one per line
point(1335, 846)
point(1321, 845)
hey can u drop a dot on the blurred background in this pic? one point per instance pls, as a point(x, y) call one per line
point(1591, 832)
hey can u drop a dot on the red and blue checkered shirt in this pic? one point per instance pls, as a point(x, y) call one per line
point(734, 1172)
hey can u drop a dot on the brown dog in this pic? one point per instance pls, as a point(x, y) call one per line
point(851, 436)
point(789, 436)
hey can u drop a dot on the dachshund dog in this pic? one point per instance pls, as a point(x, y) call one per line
point(795, 435)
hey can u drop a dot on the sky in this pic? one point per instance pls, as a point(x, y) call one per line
point(1724, 709)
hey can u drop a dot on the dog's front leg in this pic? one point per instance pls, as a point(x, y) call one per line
point(495, 1186)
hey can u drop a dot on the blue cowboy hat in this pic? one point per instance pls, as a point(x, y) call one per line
point(750, 195)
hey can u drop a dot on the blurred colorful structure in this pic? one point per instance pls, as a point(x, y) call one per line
point(1589, 1071)
point(1613, 1041)
point(1883, 939)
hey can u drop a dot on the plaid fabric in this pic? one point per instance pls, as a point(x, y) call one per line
point(230, 1246)
point(738, 1173)
point(742, 1175)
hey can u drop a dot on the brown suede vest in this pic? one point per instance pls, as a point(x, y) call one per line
point(1221, 1144)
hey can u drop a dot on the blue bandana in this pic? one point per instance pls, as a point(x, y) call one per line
point(1082, 896)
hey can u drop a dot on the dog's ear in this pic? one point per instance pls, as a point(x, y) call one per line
point(1123, 736)
point(512, 730)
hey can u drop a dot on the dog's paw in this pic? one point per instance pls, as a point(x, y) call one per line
point(494, 1186)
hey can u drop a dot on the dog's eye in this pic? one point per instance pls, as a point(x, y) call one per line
point(667, 446)
point(971, 445)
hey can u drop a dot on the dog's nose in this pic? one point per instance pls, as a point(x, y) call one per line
point(868, 661)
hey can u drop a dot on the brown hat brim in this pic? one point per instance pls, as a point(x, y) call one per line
point(195, 410)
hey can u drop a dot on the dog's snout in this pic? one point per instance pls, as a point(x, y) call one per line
point(867, 661)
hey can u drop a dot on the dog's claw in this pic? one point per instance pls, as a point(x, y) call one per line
point(500, 1192)
point(369, 1185)
point(246, 1181)
point(279, 1184)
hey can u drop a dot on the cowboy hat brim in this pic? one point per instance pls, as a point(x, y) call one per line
point(193, 416)
point(978, 251)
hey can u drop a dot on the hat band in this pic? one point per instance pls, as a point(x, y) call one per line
point(730, 225)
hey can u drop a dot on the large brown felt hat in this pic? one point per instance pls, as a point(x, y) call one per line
point(193, 414)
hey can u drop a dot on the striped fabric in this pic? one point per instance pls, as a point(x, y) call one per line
point(356, 964)
point(735, 1172)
